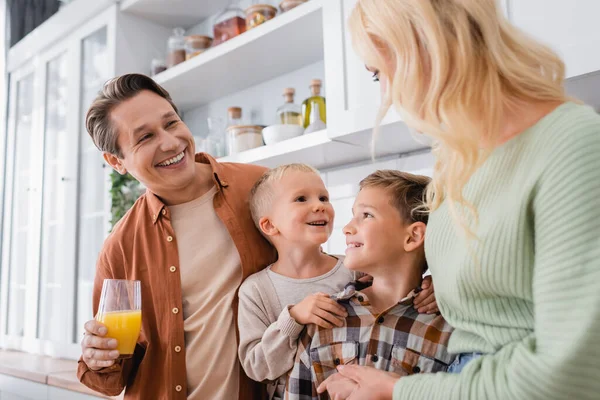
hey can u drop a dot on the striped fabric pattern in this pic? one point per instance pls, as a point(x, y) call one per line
point(398, 340)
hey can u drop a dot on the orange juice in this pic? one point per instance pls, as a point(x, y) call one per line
point(125, 327)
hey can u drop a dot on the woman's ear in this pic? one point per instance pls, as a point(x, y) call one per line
point(115, 162)
point(415, 236)
point(267, 227)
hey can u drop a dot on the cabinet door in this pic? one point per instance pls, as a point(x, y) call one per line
point(357, 106)
point(23, 205)
point(58, 202)
point(570, 28)
point(353, 111)
point(94, 200)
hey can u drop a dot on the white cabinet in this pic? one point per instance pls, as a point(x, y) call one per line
point(354, 99)
point(570, 28)
point(57, 213)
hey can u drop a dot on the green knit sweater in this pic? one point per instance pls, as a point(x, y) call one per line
point(531, 300)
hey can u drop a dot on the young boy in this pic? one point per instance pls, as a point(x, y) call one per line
point(290, 206)
point(383, 329)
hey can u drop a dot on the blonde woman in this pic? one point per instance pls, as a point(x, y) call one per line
point(513, 241)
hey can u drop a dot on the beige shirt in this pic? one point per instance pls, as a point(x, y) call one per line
point(210, 274)
point(268, 334)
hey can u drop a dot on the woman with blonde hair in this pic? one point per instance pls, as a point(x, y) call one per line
point(513, 241)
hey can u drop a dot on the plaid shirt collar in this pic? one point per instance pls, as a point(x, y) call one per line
point(351, 291)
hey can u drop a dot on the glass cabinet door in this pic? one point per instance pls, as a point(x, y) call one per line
point(57, 202)
point(94, 200)
point(23, 224)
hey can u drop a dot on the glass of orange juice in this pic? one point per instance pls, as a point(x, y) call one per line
point(120, 311)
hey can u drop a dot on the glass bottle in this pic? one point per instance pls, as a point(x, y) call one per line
point(316, 123)
point(316, 100)
point(234, 118)
point(229, 24)
point(215, 141)
point(176, 48)
point(289, 113)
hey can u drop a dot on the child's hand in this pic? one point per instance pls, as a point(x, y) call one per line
point(425, 301)
point(319, 309)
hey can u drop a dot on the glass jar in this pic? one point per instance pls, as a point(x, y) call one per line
point(234, 116)
point(215, 141)
point(244, 137)
point(258, 14)
point(229, 24)
point(287, 5)
point(157, 66)
point(289, 113)
point(176, 48)
point(196, 44)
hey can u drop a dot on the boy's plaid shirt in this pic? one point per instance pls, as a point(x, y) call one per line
point(398, 340)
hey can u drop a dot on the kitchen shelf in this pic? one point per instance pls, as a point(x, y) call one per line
point(174, 13)
point(322, 152)
point(288, 42)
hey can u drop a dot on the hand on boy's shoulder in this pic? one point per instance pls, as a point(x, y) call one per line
point(425, 301)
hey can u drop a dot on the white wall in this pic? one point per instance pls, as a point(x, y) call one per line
point(342, 184)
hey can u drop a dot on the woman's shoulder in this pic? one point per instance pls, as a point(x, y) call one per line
point(570, 125)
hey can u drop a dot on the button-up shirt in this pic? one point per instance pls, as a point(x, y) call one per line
point(398, 340)
point(143, 247)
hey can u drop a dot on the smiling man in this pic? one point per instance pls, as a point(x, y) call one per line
point(189, 239)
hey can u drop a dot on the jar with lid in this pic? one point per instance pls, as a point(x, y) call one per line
point(176, 48)
point(215, 141)
point(289, 113)
point(234, 116)
point(287, 5)
point(196, 44)
point(230, 23)
point(244, 137)
point(157, 66)
point(258, 14)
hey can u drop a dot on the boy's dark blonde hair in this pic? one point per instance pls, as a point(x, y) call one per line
point(407, 192)
point(261, 195)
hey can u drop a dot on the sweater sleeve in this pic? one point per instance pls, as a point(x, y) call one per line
point(560, 359)
point(267, 348)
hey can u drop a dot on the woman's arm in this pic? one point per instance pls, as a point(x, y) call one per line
point(561, 358)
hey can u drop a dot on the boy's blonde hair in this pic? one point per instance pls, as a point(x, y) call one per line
point(407, 192)
point(261, 195)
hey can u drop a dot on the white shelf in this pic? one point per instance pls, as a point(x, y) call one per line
point(174, 13)
point(322, 152)
point(286, 43)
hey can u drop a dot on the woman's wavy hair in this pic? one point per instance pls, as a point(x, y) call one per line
point(451, 68)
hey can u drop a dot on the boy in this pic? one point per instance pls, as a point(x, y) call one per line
point(383, 329)
point(290, 205)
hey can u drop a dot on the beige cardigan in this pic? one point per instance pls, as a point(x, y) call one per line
point(268, 334)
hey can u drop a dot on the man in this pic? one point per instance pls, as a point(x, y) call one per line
point(189, 239)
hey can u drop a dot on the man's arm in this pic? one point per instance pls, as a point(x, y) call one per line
point(109, 380)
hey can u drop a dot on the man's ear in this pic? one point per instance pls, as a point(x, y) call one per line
point(115, 162)
point(415, 236)
point(267, 227)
